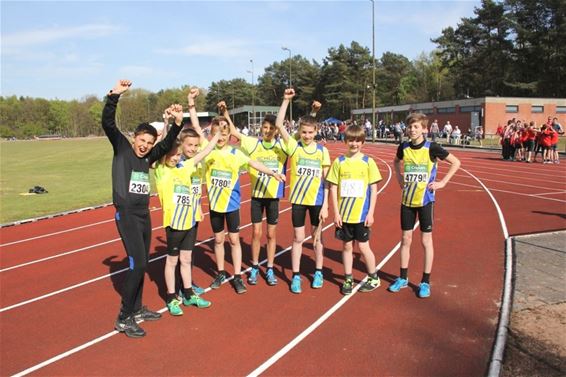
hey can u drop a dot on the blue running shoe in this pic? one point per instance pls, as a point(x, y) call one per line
point(197, 290)
point(317, 280)
point(252, 278)
point(424, 290)
point(296, 284)
point(270, 277)
point(398, 284)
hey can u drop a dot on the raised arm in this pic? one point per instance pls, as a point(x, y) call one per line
point(223, 110)
point(191, 98)
point(206, 150)
point(163, 147)
point(287, 97)
point(109, 112)
point(315, 108)
point(267, 171)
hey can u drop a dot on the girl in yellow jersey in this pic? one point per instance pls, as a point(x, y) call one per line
point(179, 188)
point(309, 166)
point(354, 177)
point(266, 191)
point(415, 169)
point(222, 172)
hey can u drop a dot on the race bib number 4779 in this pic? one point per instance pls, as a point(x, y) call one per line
point(416, 174)
point(139, 183)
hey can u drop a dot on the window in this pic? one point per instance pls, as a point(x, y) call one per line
point(561, 109)
point(426, 111)
point(511, 109)
point(441, 110)
point(469, 109)
point(537, 109)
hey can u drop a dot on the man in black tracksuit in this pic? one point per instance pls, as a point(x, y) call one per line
point(130, 196)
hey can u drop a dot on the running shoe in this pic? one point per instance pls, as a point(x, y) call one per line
point(196, 300)
point(146, 314)
point(424, 290)
point(270, 277)
point(218, 280)
point(317, 280)
point(129, 326)
point(239, 285)
point(296, 284)
point(198, 290)
point(252, 278)
point(370, 284)
point(347, 287)
point(398, 284)
point(174, 307)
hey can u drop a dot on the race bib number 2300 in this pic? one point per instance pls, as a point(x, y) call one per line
point(139, 183)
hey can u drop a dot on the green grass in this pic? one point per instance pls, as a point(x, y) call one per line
point(76, 172)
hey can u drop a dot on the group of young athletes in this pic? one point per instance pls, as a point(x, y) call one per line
point(523, 142)
point(186, 159)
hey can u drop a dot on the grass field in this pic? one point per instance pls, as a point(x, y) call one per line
point(76, 172)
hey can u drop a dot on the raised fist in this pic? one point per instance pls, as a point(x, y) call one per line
point(222, 107)
point(193, 93)
point(289, 93)
point(121, 86)
point(315, 106)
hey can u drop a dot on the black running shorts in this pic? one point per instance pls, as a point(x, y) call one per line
point(299, 213)
point(409, 216)
point(353, 232)
point(232, 221)
point(271, 207)
point(178, 240)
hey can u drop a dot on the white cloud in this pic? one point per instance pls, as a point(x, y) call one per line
point(213, 48)
point(14, 41)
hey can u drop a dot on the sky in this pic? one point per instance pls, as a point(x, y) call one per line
point(69, 49)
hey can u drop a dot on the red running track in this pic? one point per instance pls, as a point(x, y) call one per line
point(52, 306)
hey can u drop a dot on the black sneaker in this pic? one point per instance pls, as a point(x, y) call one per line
point(218, 280)
point(239, 285)
point(146, 314)
point(129, 326)
point(347, 287)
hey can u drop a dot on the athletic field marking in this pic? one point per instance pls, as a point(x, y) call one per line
point(512, 192)
point(510, 183)
point(530, 178)
point(79, 227)
point(505, 312)
point(112, 333)
point(84, 248)
point(551, 193)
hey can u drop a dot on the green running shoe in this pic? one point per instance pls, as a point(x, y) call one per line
point(370, 284)
point(174, 307)
point(347, 287)
point(196, 300)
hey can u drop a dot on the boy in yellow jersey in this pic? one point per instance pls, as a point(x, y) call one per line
point(222, 171)
point(266, 192)
point(179, 187)
point(356, 176)
point(308, 192)
point(415, 169)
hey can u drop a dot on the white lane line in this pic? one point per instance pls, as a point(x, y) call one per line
point(512, 192)
point(83, 248)
point(502, 326)
point(54, 293)
point(511, 183)
point(78, 228)
point(551, 193)
point(110, 334)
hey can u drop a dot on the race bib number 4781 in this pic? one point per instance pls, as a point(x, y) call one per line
point(310, 168)
point(139, 183)
point(416, 174)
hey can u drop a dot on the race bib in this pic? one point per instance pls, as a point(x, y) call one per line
point(139, 183)
point(309, 168)
point(221, 178)
point(352, 188)
point(416, 174)
point(182, 195)
point(271, 165)
point(196, 189)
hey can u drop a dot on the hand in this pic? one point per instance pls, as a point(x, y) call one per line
point(193, 94)
point(433, 186)
point(121, 86)
point(222, 108)
point(369, 220)
point(176, 111)
point(289, 94)
point(323, 214)
point(315, 107)
point(279, 177)
point(338, 220)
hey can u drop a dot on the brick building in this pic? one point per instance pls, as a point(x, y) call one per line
point(468, 113)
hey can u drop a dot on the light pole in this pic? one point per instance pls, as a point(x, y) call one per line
point(253, 94)
point(373, 63)
point(290, 81)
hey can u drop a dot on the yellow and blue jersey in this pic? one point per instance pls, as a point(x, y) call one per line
point(223, 178)
point(418, 171)
point(353, 177)
point(180, 191)
point(274, 156)
point(307, 172)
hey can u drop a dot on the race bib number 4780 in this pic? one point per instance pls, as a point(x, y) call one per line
point(416, 174)
point(139, 183)
point(221, 178)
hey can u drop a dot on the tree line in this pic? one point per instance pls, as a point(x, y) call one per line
point(507, 48)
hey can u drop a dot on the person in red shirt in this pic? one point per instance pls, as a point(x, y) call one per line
point(529, 143)
point(545, 140)
point(553, 152)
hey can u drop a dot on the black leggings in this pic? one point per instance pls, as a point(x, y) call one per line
point(134, 227)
